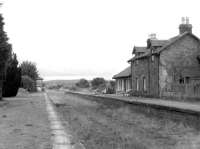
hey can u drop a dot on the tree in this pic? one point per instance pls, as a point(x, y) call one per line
point(98, 82)
point(112, 83)
point(5, 53)
point(28, 83)
point(29, 69)
point(5, 47)
point(83, 83)
point(12, 80)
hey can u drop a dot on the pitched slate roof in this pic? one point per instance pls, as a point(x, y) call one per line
point(125, 73)
point(143, 55)
point(171, 41)
point(175, 39)
point(166, 44)
point(139, 49)
point(145, 50)
point(139, 57)
point(158, 43)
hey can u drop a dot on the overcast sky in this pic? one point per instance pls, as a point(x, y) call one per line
point(89, 38)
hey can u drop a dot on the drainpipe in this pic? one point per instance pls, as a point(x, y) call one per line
point(149, 61)
point(131, 80)
point(158, 60)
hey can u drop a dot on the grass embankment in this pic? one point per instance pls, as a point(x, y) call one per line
point(106, 124)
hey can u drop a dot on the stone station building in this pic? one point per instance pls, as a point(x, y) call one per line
point(166, 68)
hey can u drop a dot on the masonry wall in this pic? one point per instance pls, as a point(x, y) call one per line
point(147, 68)
point(139, 71)
point(174, 61)
point(154, 76)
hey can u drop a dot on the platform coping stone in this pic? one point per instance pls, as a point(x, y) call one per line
point(60, 139)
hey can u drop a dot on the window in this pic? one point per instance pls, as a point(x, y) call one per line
point(144, 84)
point(128, 84)
point(137, 62)
point(174, 76)
point(122, 85)
point(181, 80)
point(152, 58)
point(137, 84)
point(187, 80)
point(118, 85)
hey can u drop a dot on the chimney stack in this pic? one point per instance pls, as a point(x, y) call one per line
point(185, 26)
point(152, 36)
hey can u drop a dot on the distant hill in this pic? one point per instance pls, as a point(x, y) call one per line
point(64, 83)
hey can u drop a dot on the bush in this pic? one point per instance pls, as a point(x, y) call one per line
point(83, 83)
point(55, 86)
point(28, 83)
point(58, 86)
point(73, 88)
point(98, 82)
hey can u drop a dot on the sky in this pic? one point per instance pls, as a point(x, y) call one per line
point(71, 39)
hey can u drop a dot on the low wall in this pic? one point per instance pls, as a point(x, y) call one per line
point(182, 91)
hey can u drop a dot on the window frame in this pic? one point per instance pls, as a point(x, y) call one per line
point(137, 84)
point(144, 80)
point(181, 80)
point(136, 62)
point(187, 80)
point(152, 58)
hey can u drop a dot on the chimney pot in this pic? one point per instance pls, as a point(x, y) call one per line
point(183, 20)
point(152, 36)
point(185, 26)
point(187, 20)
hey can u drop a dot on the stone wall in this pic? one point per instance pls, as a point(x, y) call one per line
point(154, 76)
point(139, 70)
point(147, 68)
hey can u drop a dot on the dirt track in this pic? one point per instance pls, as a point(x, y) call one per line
point(24, 123)
point(109, 125)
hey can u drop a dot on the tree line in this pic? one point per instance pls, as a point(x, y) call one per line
point(98, 84)
point(12, 74)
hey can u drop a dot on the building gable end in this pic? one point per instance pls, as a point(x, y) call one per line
point(178, 39)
